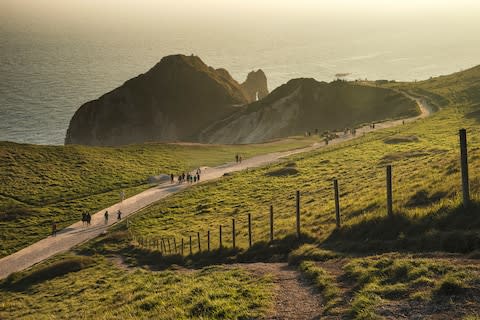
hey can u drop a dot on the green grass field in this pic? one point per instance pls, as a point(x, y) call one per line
point(209, 293)
point(426, 183)
point(42, 183)
point(423, 261)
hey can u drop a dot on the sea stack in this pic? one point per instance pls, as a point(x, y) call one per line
point(256, 85)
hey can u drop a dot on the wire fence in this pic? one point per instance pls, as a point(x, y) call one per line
point(226, 236)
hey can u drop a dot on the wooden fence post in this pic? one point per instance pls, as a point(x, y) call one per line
point(464, 166)
point(181, 248)
point(208, 240)
point(220, 238)
point(389, 191)
point(198, 238)
point(175, 245)
point(190, 245)
point(249, 230)
point(233, 233)
point(271, 223)
point(337, 203)
point(169, 248)
point(298, 214)
point(164, 246)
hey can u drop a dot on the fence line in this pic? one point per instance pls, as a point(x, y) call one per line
point(165, 247)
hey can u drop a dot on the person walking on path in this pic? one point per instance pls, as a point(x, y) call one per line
point(119, 215)
point(84, 218)
point(106, 217)
point(89, 218)
point(172, 177)
point(54, 229)
point(236, 158)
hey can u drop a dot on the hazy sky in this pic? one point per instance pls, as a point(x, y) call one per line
point(116, 15)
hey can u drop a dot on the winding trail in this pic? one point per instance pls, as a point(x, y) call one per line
point(77, 233)
point(294, 298)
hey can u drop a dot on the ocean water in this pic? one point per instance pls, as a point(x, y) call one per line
point(46, 76)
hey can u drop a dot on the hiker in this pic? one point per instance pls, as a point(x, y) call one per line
point(84, 218)
point(194, 178)
point(172, 177)
point(89, 218)
point(54, 229)
point(106, 217)
point(236, 158)
point(240, 159)
point(326, 141)
point(403, 121)
point(198, 177)
point(179, 179)
point(119, 215)
point(199, 171)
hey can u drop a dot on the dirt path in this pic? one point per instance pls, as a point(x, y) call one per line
point(77, 233)
point(294, 298)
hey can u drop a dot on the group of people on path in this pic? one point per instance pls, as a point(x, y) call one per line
point(106, 215)
point(238, 158)
point(352, 131)
point(86, 218)
point(189, 177)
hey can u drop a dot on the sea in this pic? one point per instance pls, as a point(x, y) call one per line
point(45, 76)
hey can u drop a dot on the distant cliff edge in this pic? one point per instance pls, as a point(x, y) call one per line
point(174, 101)
point(303, 105)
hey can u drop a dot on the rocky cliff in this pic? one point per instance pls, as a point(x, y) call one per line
point(256, 85)
point(173, 101)
point(305, 105)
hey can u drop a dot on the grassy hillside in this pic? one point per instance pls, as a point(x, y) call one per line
point(457, 89)
point(41, 183)
point(433, 275)
point(210, 293)
point(426, 182)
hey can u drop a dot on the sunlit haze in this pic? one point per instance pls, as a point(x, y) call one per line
point(58, 54)
point(118, 15)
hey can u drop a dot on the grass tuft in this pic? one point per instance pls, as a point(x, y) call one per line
point(323, 281)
